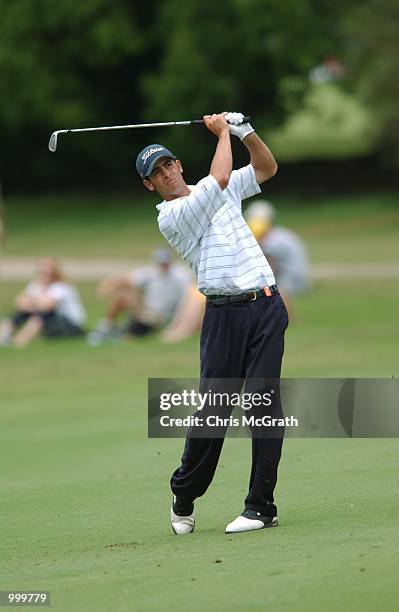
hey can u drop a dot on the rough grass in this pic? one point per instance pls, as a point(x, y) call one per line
point(335, 229)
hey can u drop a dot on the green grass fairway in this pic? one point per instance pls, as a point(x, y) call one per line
point(84, 495)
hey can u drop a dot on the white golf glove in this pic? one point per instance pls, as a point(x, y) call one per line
point(237, 127)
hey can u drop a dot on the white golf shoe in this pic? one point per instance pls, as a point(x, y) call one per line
point(250, 520)
point(181, 524)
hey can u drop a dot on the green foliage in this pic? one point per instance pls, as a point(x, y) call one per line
point(237, 51)
point(372, 34)
point(332, 124)
point(234, 55)
point(65, 64)
point(68, 64)
point(52, 53)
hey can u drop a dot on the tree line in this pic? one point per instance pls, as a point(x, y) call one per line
point(70, 64)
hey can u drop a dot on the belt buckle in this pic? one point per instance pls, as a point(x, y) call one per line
point(254, 298)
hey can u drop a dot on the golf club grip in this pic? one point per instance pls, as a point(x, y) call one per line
point(245, 120)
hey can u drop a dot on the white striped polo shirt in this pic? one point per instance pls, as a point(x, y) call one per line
point(208, 230)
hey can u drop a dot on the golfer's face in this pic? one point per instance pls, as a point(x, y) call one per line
point(167, 177)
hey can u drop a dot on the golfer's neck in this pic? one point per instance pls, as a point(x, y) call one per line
point(184, 191)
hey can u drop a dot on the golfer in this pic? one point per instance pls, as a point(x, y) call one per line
point(242, 335)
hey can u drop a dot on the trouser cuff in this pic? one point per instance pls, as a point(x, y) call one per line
point(268, 510)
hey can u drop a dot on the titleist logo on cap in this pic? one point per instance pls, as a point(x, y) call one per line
point(148, 153)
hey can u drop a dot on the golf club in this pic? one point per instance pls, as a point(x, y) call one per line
point(52, 145)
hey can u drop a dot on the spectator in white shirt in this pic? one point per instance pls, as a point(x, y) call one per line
point(48, 305)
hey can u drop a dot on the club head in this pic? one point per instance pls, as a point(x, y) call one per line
point(52, 145)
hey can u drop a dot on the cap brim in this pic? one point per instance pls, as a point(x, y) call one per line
point(154, 161)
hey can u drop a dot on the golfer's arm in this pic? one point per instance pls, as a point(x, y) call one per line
point(262, 160)
point(193, 215)
point(222, 163)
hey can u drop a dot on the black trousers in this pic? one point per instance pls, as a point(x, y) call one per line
point(240, 341)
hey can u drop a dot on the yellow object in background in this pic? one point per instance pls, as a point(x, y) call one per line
point(259, 227)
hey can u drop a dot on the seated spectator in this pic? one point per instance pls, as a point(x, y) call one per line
point(149, 296)
point(48, 305)
point(284, 250)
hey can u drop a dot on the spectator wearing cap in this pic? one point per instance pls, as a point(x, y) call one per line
point(284, 250)
point(148, 295)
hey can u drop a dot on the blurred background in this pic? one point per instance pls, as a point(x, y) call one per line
point(319, 80)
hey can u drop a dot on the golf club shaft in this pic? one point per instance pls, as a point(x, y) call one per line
point(139, 125)
point(54, 136)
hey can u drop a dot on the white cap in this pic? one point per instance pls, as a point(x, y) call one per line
point(162, 256)
point(260, 209)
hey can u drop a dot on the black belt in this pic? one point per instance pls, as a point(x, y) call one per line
point(250, 296)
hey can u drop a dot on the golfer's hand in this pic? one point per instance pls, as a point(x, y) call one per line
point(236, 125)
point(216, 124)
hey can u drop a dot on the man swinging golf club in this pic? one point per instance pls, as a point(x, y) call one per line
point(242, 336)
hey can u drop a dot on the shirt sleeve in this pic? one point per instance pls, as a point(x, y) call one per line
point(243, 182)
point(191, 215)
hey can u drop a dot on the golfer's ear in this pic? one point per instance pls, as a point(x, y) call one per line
point(178, 164)
point(149, 185)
